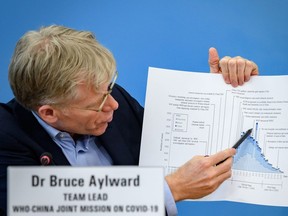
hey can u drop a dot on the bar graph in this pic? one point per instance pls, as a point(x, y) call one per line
point(250, 158)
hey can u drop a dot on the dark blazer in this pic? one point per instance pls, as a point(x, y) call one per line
point(23, 140)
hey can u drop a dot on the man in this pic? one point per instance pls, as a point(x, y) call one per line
point(65, 108)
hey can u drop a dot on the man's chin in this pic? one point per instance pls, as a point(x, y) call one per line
point(100, 130)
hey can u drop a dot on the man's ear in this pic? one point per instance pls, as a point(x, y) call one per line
point(47, 113)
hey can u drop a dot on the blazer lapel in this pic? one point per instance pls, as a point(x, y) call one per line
point(116, 146)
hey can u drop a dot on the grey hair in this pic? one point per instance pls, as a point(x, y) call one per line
point(48, 64)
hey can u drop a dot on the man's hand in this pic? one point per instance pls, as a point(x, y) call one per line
point(200, 176)
point(235, 71)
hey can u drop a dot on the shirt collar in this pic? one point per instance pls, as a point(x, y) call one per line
point(56, 134)
point(53, 132)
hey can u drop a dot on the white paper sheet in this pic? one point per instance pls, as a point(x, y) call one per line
point(190, 113)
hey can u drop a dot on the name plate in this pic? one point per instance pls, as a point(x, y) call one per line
point(82, 191)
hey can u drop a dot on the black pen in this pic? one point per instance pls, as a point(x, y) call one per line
point(237, 144)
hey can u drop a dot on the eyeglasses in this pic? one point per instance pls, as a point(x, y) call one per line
point(105, 95)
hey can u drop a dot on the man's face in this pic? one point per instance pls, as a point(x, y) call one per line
point(81, 115)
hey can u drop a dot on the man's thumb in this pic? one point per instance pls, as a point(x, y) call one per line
point(213, 60)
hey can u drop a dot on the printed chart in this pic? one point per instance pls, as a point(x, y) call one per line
point(188, 114)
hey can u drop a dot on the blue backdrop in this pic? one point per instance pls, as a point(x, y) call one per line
point(162, 33)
